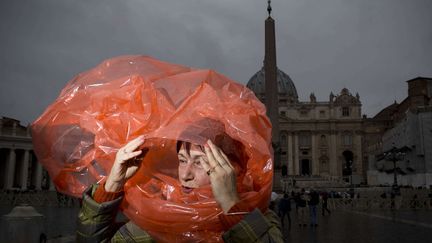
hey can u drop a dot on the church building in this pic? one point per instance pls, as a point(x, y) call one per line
point(313, 138)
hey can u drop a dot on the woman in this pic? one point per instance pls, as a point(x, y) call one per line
point(77, 140)
point(198, 166)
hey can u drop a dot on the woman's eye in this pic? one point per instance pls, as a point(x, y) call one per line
point(182, 161)
point(197, 163)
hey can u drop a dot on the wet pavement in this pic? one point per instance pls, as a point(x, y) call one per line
point(341, 226)
point(371, 227)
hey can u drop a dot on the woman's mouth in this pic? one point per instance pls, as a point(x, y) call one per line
point(186, 189)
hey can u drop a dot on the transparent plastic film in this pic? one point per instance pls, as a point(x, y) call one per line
point(100, 110)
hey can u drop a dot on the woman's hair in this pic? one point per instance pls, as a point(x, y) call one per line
point(233, 149)
point(210, 129)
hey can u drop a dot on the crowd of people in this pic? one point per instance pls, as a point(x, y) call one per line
point(307, 202)
point(306, 207)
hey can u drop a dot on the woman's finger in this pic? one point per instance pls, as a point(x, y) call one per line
point(134, 144)
point(215, 166)
point(210, 157)
point(217, 154)
point(227, 160)
point(224, 162)
point(205, 164)
point(128, 156)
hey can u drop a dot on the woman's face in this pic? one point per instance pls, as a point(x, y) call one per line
point(191, 172)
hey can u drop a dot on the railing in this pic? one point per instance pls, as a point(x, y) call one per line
point(364, 204)
point(37, 198)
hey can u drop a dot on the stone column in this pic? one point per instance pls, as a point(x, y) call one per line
point(38, 176)
point(10, 169)
point(24, 170)
point(290, 156)
point(333, 156)
point(296, 155)
point(315, 164)
point(358, 150)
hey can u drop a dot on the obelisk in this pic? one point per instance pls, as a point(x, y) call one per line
point(270, 69)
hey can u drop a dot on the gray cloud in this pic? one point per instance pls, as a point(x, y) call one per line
point(370, 47)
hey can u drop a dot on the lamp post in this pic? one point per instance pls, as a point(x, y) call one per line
point(394, 155)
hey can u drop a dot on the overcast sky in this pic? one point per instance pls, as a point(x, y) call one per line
point(368, 46)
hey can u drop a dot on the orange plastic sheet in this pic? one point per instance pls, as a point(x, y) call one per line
point(100, 110)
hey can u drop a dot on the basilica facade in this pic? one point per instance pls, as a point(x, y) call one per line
point(316, 138)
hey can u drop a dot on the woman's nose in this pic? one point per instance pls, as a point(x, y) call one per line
point(188, 173)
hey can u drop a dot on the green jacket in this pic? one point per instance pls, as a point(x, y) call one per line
point(96, 223)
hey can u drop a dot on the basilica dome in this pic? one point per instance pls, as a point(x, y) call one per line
point(286, 86)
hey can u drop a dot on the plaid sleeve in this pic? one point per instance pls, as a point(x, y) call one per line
point(234, 215)
point(256, 227)
point(96, 222)
point(131, 232)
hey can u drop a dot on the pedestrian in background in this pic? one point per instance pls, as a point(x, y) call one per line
point(302, 209)
point(296, 196)
point(313, 203)
point(285, 210)
point(324, 206)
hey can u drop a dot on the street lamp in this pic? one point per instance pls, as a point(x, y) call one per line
point(394, 155)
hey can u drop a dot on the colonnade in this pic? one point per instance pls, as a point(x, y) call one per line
point(19, 168)
point(331, 150)
point(22, 171)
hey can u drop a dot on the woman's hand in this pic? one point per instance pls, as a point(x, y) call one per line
point(126, 164)
point(222, 177)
